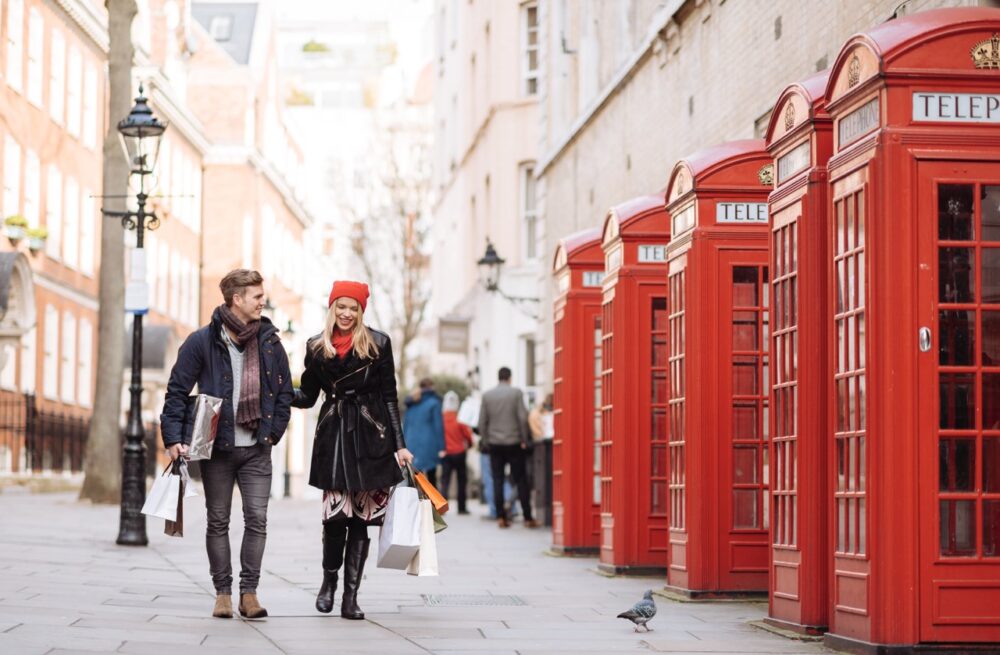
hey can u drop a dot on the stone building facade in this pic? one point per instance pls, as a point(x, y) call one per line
point(628, 88)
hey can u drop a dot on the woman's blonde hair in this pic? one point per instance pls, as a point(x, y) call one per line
point(364, 344)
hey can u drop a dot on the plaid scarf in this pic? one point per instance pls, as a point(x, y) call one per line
point(248, 412)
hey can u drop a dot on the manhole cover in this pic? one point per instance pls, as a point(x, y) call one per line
point(470, 600)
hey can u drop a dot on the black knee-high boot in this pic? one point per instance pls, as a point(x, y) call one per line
point(334, 538)
point(354, 567)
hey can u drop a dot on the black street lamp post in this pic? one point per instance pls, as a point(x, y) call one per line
point(140, 134)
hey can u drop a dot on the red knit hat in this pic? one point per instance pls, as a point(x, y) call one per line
point(347, 289)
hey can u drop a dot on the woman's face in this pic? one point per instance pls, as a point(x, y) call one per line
point(346, 310)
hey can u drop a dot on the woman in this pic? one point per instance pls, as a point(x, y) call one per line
point(458, 439)
point(359, 445)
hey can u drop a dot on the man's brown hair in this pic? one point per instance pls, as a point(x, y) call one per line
point(237, 281)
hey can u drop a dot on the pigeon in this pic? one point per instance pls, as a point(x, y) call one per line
point(641, 612)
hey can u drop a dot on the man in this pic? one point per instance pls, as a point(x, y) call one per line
point(424, 429)
point(239, 358)
point(503, 427)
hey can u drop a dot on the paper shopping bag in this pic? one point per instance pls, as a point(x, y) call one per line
point(164, 495)
point(206, 424)
point(175, 528)
point(431, 493)
point(399, 538)
point(425, 563)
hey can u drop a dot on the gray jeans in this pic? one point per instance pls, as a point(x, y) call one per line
point(250, 468)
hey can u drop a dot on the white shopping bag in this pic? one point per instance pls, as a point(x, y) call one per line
point(399, 537)
point(163, 496)
point(425, 563)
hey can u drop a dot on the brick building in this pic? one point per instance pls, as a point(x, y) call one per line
point(52, 121)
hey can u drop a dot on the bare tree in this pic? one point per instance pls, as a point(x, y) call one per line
point(391, 235)
point(102, 468)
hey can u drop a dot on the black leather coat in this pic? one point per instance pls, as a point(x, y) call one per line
point(359, 430)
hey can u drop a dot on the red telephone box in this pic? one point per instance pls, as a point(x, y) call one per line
point(634, 388)
point(718, 318)
point(915, 336)
point(800, 142)
point(576, 386)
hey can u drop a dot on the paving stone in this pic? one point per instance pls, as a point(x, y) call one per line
point(65, 586)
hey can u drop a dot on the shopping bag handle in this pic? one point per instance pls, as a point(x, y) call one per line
point(410, 477)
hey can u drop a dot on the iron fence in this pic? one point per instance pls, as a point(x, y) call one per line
point(37, 440)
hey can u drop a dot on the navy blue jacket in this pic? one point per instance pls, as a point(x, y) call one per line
point(204, 360)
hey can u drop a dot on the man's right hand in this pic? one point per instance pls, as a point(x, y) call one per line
point(177, 450)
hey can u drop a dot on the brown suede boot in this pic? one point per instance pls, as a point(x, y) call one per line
point(250, 608)
point(223, 606)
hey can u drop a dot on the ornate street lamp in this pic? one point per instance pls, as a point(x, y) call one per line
point(140, 134)
point(490, 265)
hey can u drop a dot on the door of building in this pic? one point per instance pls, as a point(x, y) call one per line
point(958, 401)
point(743, 404)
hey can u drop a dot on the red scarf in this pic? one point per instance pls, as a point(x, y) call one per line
point(342, 342)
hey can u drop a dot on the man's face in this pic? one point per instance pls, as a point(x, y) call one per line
point(248, 305)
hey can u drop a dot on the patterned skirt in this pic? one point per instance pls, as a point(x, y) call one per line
point(369, 506)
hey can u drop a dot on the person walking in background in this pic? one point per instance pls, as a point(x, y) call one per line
point(239, 358)
point(503, 427)
point(540, 420)
point(423, 426)
point(457, 440)
point(359, 446)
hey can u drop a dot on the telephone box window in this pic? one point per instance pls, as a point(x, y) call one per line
point(958, 337)
point(956, 275)
point(957, 464)
point(991, 213)
point(955, 213)
point(958, 527)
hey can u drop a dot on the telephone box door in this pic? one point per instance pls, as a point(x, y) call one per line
point(743, 456)
point(958, 337)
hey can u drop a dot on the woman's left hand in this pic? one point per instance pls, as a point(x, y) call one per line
point(404, 456)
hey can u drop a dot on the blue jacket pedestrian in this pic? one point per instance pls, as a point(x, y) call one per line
point(423, 427)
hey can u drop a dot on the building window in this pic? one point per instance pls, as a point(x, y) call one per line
point(50, 367)
point(163, 277)
point(68, 376)
point(15, 44)
point(36, 50)
point(32, 187)
point(71, 225)
point(529, 361)
point(175, 285)
point(57, 77)
point(73, 91)
point(8, 376)
point(221, 28)
point(28, 346)
point(90, 98)
point(86, 362)
point(529, 211)
point(529, 45)
point(53, 212)
point(87, 219)
point(11, 177)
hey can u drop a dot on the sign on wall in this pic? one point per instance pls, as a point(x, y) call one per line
point(956, 107)
point(858, 123)
point(652, 253)
point(741, 212)
point(593, 278)
point(453, 335)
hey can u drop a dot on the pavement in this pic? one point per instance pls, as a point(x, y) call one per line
point(65, 587)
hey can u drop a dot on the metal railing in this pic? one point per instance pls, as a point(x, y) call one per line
point(34, 440)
